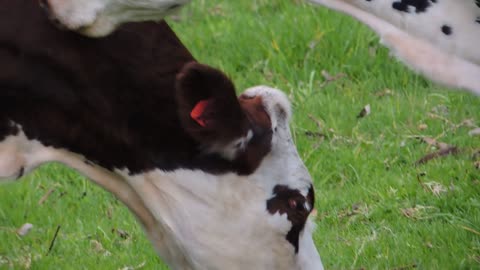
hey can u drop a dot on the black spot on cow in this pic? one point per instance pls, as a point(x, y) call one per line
point(477, 2)
point(419, 5)
point(478, 20)
point(292, 202)
point(447, 30)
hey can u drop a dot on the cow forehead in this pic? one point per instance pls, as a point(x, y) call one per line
point(274, 101)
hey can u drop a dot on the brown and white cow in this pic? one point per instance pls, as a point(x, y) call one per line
point(215, 180)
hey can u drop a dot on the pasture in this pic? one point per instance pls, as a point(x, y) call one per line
point(377, 207)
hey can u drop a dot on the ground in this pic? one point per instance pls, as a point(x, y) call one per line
point(376, 208)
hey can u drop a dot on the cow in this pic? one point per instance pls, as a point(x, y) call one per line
point(437, 38)
point(214, 179)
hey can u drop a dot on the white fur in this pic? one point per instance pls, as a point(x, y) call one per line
point(417, 39)
point(230, 150)
point(197, 220)
point(98, 18)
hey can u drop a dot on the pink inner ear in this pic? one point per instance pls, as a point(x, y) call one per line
point(197, 112)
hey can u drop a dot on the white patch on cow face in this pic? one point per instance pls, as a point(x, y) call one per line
point(98, 18)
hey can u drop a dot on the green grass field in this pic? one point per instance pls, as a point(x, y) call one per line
point(376, 208)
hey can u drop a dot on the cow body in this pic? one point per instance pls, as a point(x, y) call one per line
point(214, 179)
point(436, 38)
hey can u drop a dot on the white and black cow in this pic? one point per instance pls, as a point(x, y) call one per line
point(215, 180)
point(439, 38)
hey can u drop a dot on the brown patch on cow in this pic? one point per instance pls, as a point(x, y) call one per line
point(292, 202)
point(261, 126)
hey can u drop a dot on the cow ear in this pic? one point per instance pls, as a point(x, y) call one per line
point(208, 106)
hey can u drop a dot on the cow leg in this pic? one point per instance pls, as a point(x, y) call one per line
point(12, 160)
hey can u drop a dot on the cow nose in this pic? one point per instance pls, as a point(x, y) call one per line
point(45, 5)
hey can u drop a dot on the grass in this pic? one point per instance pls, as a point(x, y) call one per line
point(376, 208)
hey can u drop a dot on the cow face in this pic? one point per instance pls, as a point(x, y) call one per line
point(253, 217)
point(100, 17)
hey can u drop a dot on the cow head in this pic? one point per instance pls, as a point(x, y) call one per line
point(253, 216)
point(97, 18)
